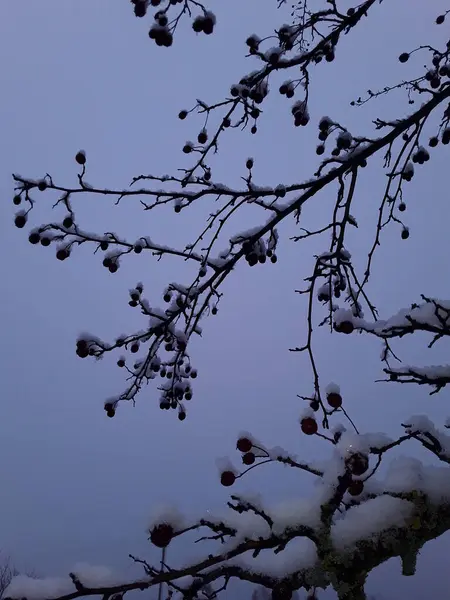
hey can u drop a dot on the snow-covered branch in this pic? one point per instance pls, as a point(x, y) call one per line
point(354, 522)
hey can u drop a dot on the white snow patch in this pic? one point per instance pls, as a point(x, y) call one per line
point(369, 519)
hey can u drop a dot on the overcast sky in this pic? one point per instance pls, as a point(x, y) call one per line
point(76, 486)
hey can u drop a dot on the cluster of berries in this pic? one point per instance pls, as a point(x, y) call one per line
point(258, 253)
point(245, 446)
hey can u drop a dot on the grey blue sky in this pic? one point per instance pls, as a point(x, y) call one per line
point(76, 486)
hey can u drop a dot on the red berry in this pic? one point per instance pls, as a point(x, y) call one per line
point(356, 487)
point(346, 327)
point(244, 445)
point(248, 458)
point(334, 400)
point(309, 426)
point(227, 478)
point(161, 535)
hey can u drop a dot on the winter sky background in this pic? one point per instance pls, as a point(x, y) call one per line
point(76, 486)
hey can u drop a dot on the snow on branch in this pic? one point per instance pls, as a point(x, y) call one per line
point(353, 522)
point(171, 329)
point(431, 316)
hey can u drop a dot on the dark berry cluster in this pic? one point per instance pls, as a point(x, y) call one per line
point(343, 141)
point(111, 262)
point(420, 156)
point(253, 42)
point(258, 253)
point(161, 35)
point(440, 68)
point(335, 286)
point(204, 23)
point(257, 92)
point(135, 295)
point(245, 446)
point(140, 7)
point(287, 89)
point(286, 36)
point(300, 113)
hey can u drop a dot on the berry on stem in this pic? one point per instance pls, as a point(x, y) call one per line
point(244, 445)
point(334, 400)
point(346, 327)
point(161, 535)
point(80, 157)
point(20, 221)
point(227, 478)
point(309, 426)
point(356, 487)
point(68, 222)
point(34, 237)
point(248, 458)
